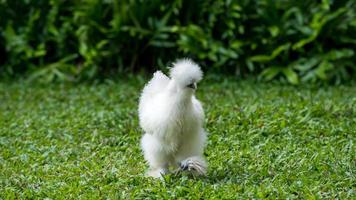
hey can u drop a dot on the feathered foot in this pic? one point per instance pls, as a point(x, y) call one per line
point(196, 165)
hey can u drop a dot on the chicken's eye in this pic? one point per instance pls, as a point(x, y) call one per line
point(192, 85)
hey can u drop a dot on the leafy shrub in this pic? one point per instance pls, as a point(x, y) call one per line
point(70, 40)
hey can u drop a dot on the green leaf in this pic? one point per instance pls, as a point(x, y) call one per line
point(339, 54)
point(322, 70)
point(291, 75)
point(274, 31)
point(305, 64)
point(275, 53)
point(270, 73)
point(318, 22)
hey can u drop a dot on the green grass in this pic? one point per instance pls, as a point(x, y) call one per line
point(266, 140)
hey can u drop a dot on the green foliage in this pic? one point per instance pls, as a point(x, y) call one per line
point(304, 41)
point(265, 141)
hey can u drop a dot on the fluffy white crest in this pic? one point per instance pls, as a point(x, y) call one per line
point(186, 72)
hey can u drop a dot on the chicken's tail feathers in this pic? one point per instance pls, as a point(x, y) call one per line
point(155, 85)
point(185, 72)
point(195, 164)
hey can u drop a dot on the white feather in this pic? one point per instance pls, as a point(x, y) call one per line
point(172, 119)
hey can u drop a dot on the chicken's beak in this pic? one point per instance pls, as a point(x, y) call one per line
point(193, 86)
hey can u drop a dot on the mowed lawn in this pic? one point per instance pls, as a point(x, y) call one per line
point(81, 141)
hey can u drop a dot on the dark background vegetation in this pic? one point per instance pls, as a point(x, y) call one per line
point(294, 41)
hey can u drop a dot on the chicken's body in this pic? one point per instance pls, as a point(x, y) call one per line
point(172, 119)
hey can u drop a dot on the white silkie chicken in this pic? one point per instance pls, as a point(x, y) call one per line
point(172, 119)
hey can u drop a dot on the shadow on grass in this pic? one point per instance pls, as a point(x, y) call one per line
point(213, 177)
